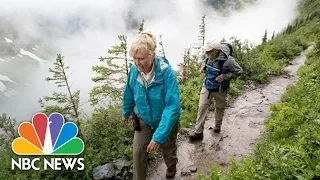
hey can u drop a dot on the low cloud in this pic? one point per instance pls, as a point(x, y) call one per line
point(84, 30)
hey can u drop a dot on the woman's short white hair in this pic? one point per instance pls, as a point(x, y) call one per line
point(146, 41)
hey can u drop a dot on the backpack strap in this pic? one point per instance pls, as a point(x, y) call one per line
point(206, 63)
point(221, 66)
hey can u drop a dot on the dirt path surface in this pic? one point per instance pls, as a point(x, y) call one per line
point(243, 124)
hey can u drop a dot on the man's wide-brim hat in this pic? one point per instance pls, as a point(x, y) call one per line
point(211, 45)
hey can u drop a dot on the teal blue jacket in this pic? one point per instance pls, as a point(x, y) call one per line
point(158, 105)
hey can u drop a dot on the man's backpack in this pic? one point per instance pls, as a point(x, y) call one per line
point(210, 76)
point(230, 47)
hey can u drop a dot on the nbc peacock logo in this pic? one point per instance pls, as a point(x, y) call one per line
point(47, 136)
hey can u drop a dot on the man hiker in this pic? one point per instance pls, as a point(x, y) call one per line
point(219, 67)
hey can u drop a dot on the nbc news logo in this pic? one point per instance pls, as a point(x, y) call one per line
point(47, 136)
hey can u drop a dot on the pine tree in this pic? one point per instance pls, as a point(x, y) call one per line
point(201, 37)
point(237, 49)
point(190, 66)
point(202, 31)
point(162, 52)
point(8, 127)
point(201, 40)
point(184, 65)
point(191, 60)
point(265, 36)
point(273, 35)
point(297, 23)
point(289, 29)
point(141, 26)
point(111, 75)
point(308, 17)
point(67, 103)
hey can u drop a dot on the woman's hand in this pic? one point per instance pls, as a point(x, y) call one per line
point(124, 120)
point(153, 146)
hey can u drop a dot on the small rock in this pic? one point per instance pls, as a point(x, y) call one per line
point(225, 136)
point(183, 173)
point(259, 110)
point(193, 169)
point(188, 170)
point(184, 131)
point(117, 168)
point(243, 111)
point(120, 164)
point(217, 148)
point(223, 163)
point(106, 171)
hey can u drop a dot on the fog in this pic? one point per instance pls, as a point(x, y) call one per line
point(83, 30)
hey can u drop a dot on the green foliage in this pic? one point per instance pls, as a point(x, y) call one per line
point(190, 87)
point(114, 139)
point(111, 75)
point(236, 88)
point(245, 55)
point(308, 21)
point(215, 174)
point(107, 138)
point(5, 171)
point(189, 95)
point(310, 30)
point(309, 9)
point(267, 59)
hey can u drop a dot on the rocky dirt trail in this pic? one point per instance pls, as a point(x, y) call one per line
point(243, 123)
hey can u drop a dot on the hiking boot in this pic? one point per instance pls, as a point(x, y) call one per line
point(171, 172)
point(217, 130)
point(196, 136)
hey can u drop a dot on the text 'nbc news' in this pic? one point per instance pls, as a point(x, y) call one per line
point(48, 164)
